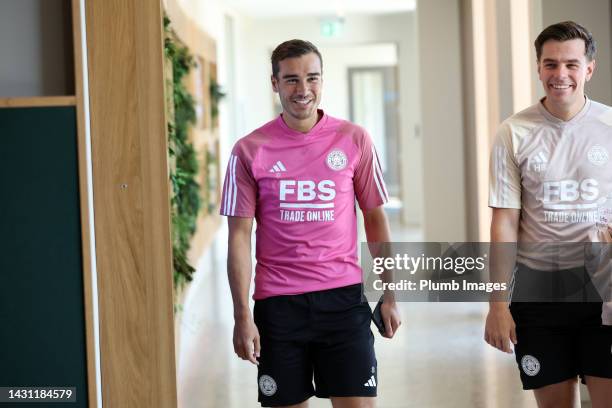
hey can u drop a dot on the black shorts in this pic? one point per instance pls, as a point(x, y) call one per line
point(325, 335)
point(559, 341)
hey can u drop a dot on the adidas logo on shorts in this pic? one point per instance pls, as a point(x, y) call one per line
point(371, 382)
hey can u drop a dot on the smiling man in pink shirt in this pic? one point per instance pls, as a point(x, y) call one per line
point(299, 176)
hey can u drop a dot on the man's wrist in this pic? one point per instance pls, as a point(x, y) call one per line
point(242, 314)
point(498, 305)
point(389, 297)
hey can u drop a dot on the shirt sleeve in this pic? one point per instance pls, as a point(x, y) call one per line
point(368, 182)
point(504, 173)
point(239, 188)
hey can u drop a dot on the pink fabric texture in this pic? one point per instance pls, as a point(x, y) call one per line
point(301, 189)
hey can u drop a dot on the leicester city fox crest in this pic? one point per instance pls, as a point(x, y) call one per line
point(267, 385)
point(336, 160)
point(530, 365)
point(598, 155)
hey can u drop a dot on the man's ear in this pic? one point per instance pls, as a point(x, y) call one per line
point(590, 69)
point(274, 83)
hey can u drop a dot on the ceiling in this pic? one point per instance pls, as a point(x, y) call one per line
point(322, 8)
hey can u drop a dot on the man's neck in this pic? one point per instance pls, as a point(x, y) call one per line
point(562, 112)
point(303, 126)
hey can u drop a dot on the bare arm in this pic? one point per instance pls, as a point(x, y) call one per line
point(239, 270)
point(504, 225)
point(377, 231)
point(239, 266)
point(500, 329)
point(504, 230)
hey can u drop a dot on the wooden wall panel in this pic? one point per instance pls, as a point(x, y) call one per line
point(131, 202)
point(88, 296)
point(36, 101)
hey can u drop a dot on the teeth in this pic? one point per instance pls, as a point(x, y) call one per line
point(303, 102)
point(560, 86)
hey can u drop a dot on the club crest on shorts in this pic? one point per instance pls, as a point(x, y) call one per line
point(336, 160)
point(598, 155)
point(530, 365)
point(267, 385)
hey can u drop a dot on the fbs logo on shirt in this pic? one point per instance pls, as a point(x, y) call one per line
point(568, 192)
point(305, 191)
point(570, 201)
point(306, 200)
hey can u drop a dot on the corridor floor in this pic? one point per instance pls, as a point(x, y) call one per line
point(438, 359)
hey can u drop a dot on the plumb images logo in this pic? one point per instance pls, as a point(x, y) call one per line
point(267, 385)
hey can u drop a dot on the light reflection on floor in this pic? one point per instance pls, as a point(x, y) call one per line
point(438, 358)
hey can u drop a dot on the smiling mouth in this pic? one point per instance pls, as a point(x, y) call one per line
point(303, 101)
point(560, 86)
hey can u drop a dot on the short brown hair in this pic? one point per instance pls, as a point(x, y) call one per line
point(292, 49)
point(565, 31)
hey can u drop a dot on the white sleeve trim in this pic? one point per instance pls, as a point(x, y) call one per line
point(378, 178)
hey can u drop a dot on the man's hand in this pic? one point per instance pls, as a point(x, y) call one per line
point(500, 329)
point(378, 235)
point(246, 340)
point(391, 317)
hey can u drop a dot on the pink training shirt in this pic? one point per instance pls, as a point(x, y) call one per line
point(301, 189)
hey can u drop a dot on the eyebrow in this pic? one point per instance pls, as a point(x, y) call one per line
point(566, 61)
point(312, 74)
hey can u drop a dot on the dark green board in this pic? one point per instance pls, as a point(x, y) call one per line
point(42, 323)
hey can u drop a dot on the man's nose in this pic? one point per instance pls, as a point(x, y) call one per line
point(561, 71)
point(302, 86)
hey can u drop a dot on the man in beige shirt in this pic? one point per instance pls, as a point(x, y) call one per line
point(550, 172)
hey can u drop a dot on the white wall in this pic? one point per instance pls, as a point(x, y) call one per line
point(504, 57)
point(338, 59)
point(595, 16)
point(442, 118)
